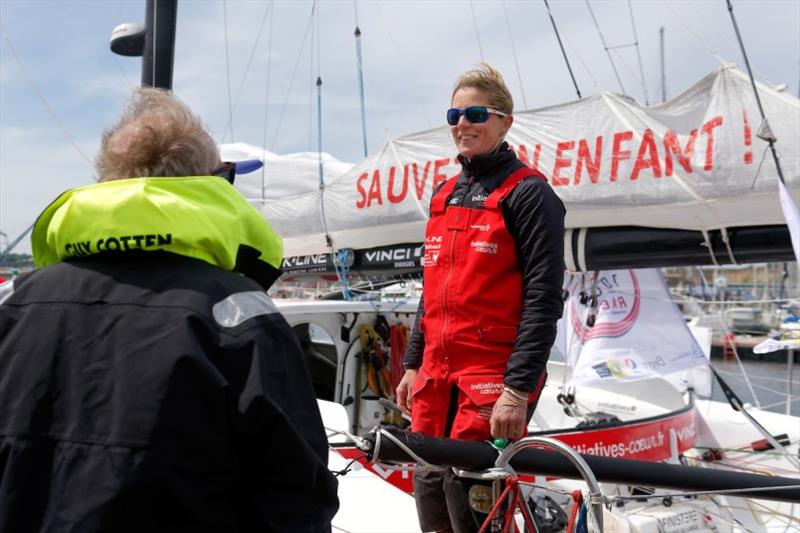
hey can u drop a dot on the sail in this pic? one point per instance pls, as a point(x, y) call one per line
point(692, 163)
point(622, 325)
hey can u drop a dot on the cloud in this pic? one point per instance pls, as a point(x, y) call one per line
point(412, 53)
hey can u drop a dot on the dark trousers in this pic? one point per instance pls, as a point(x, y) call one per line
point(442, 498)
point(443, 502)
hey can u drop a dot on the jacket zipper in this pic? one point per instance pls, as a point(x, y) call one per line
point(453, 234)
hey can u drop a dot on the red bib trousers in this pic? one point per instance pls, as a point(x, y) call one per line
point(473, 300)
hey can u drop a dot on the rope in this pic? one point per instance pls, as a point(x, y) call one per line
point(577, 499)
point(398, 341)
point(294, 75)
point(605, 46)
point(514, 53)
point(560, 45)
point(512, 496)
point(43, 99)
point(229, 125)
point(755, 92)
point(638, 54)
point(593, 526)
point(475, 24)
point(382, 433)
point(378, 377)
point(227, 64)
point(266, 112)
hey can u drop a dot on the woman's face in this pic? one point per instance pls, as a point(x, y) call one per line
point(477, 139)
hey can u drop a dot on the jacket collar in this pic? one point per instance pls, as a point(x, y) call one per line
point(484, 164)
point(202, 217)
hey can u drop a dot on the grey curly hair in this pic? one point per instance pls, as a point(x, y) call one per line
point(157, 136)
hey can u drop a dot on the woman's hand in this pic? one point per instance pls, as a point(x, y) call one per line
point(509, 415)
point(404, 389)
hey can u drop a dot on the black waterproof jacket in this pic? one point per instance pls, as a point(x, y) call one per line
point(149, 392)
point(534, 216)
point(145, 389)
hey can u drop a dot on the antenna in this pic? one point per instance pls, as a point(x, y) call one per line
point(154, 42)
point(663, 77)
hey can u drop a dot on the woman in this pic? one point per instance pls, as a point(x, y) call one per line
point(493, 268)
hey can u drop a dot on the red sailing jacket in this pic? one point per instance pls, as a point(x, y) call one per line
point(473, 299)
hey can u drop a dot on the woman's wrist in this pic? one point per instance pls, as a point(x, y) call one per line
point(516, 393)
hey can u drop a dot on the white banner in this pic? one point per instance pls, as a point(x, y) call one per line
point(638, 332)
point(691, 163)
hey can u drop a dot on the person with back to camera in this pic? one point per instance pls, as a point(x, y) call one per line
point(493, 269)
point(147, 381)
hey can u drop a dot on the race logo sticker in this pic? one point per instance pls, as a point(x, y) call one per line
point(433, 247)
point(618, 304)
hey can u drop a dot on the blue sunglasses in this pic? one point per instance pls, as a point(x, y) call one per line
point(476, 114)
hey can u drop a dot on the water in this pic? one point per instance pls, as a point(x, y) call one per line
point(768, 380)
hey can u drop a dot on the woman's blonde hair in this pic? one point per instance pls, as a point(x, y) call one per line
point(489, 81)
point(157, 136)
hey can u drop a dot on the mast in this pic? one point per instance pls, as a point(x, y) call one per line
point(159, 43)
point(361, 87)
point(154, 42)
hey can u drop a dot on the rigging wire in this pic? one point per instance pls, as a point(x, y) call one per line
point(563, 52)
point(227, 64)
point(771, 140)
point(311, 77)
point(475, 24)
point(514, 53)
point(228, 125)
point(630, 70)
point(114, 56)
point(291, 82)
point(266, 111)
point(47, 105)
point(638, 54)
point(605, 46)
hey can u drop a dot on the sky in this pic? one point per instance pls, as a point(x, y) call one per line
point(60, 85)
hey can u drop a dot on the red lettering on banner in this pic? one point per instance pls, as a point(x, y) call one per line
point(438, 177)
point(673, 147)
point(708, 129)
point(396, 198)
point(522, 154)
point(748, 139)
point(420, 185)
point(562, 162)
point(361, 192)
point(648, 145)
point(617, 153)
point(585, 159)
point(375, 189)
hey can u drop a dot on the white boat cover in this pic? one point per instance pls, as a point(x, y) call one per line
point(694, 162)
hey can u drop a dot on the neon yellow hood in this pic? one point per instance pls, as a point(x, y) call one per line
point(202, 217)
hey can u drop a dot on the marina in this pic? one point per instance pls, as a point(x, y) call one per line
point(671, 398)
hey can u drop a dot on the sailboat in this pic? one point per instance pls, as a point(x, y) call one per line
point(643, 189)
